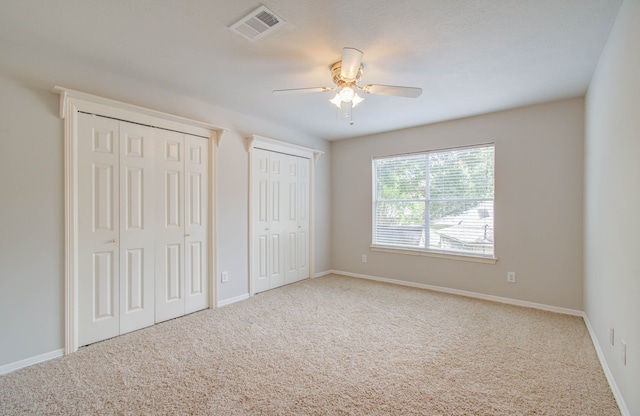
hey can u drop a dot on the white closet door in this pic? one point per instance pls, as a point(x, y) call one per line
point(196, 224)
point(98, 226)
point(268, 218)
point(303, 218)
point(169, 225)
point(290, 216)
point(260, 202)
point(137, 226)
point(277, 219)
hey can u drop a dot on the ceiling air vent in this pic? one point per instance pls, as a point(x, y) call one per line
point(257, 24)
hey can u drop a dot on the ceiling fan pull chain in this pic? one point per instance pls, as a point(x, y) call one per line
point(351, 117)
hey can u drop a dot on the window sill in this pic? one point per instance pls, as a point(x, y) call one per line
point(436, 254)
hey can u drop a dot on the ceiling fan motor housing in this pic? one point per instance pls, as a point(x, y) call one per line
point(344, 82)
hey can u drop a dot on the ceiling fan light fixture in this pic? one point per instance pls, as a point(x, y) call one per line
point(356, 99)
point(347, 94)
point(337, 101)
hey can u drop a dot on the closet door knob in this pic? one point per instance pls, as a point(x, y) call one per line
point(113, 241)
point(187, 235)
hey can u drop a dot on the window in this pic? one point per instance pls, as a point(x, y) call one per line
point(438, 201)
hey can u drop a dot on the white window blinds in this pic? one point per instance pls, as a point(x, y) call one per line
point(436, 201)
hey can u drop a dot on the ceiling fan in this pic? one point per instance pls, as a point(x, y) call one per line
point(346, 74)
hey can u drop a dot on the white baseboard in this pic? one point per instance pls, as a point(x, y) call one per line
point(607, 371)
point(324, 273)
point(476, 295)
point(8, 368)
point(235, 299)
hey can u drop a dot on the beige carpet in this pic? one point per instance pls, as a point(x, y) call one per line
point(330, 346)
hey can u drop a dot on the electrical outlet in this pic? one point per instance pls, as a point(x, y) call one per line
point(224, 277)
point(623, 352)
point(364, 258)
point(612, 338)
point(511, 277)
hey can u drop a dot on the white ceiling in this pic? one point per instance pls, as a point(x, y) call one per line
point(469, 56)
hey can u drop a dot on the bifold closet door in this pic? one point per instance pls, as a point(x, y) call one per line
point(289, 181)
point(169, 225)
point(297, 221)
point(302, 218)
point(196, 240)
point(181, 218)
point(137, 224)
point(266, 241)
point(143, 211)
point(115, 228)
point(98, 229)
point(279, 218)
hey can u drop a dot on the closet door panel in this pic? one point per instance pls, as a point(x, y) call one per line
point(260, 216)
point(196, 223)
point(277, 219)
point(137, 268)
point(290, 224)
point(98, 226)
point(303, 218)
point(169, 231)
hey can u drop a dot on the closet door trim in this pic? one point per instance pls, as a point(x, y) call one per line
point(71, 103)
point(272, 145)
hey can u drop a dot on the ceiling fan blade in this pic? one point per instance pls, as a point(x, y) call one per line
point(300, 90)
point(410, 92)
point(351, 60)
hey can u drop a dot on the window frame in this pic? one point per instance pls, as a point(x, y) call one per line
point(427, 251)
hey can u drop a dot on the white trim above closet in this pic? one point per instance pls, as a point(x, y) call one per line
point(282, 147)
point(94, 104)
point(72, 103)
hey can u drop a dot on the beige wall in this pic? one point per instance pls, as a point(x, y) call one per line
point(538, 205)
point(612, 202)
point(31, 223)
point(32, 205)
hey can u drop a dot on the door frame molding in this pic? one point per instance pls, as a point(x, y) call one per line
point(272, 145)
point(72, 102)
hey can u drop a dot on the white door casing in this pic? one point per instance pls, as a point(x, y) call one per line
point(72, 105)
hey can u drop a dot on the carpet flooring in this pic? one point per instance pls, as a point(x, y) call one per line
point(330, 346)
